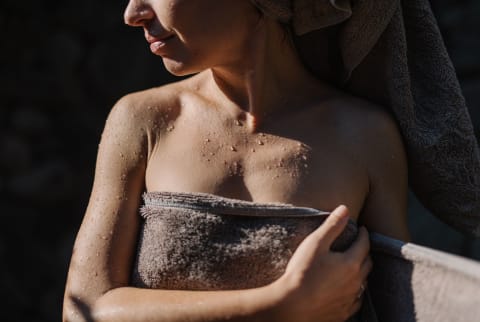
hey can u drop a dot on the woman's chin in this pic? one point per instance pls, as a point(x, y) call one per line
point(178, 68)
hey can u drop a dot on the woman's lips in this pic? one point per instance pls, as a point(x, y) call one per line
point(158, 43)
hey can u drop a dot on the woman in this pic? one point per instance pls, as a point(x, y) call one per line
point(252, 124)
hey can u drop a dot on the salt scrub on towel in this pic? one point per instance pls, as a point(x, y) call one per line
point(206, 242)
point(391, 52)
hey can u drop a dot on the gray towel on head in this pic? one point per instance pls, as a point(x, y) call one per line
point(391, 52)
point(206, 242)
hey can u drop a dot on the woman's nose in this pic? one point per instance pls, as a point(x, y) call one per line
point(137, 13)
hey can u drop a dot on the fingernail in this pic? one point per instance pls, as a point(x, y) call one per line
point(340, 210)
point(340, 213)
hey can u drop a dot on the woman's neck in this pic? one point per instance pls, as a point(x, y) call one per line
point(267, 77)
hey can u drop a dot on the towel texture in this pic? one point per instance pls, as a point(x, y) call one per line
point(414, 283)
point(196, 241)
point(391, 52)
point(205, 242)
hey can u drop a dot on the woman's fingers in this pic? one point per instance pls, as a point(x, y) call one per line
point(332, 280)
point(355, 307)
point(366, 268)
point(331, 228)
point(360, 249)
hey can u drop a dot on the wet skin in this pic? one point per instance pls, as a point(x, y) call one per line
point(251, 124)
point(315, 156)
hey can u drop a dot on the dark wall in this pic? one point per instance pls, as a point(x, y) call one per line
point(63, 65)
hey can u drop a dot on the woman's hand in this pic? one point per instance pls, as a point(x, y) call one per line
point(321, 285)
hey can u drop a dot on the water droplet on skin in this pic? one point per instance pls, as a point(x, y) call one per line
point(259, 142)
point(170, 128)
point(236, 168)
point(299, 144)
point(237, 123)
point(149, 107)
point(268, 167)
point(232, 148)
point(207, 140)
point(253, 150)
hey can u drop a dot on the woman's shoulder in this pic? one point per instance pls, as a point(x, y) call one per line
point(362, 128)
point(157, 100)
point(153, 108)
point(141, 118)
point(359, 119)
point(371, 133)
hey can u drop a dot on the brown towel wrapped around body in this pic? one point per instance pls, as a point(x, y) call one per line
point(198, 241)
point(391, 52)
point(205, 242)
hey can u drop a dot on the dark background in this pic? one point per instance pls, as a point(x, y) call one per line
point(63, 65)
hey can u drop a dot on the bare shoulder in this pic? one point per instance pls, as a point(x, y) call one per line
point(364, 121)
point(371, 132)
point(144, 107)
point(365, 128)
point(142, 117)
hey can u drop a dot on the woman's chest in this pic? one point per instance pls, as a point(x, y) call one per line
point(258, 167)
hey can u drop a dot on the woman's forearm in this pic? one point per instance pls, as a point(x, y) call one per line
point(318, 285)
point(134, 304)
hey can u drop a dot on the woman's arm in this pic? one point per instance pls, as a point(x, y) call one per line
point(385, 209)
point(318, 285)
point(104, 248)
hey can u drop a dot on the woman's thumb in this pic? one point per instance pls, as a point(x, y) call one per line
point(331, 228)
